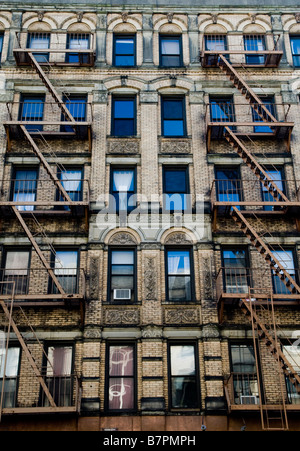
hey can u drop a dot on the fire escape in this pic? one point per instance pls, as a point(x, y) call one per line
point(46, 285)
point(257, 304)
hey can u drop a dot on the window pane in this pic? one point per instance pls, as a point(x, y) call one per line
point(122, 257)
point(295, 45)
point(178, 262)
point(179, 288)
point(184, 393)
point(173, 109)
point(173, 128)
point(234, 258)
point(243, 359)
point(123, 181)
point(122, 283)
point(121, 393)
point(59, 361)
point(66, 263)
point(17, 262)
point(12, 362)
point(121, 361)
point(124, 109)
point(215, 42)
point(78, 42)
point(170, 46)
point(175, 181)
point(124, 46)
point(182, 360)
point(71, 181)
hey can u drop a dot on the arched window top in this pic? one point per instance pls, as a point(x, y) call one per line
point(215, 29)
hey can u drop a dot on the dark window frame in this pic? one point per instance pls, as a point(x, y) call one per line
point(247, 263)
point(295, 55)
point(296, 269)
point(196, 376)
point(265, 194)
point(191, 275)
point(116, 98)
point(59, 196)
point(260, 57)
point(270, 103)
point(32, 118)
point(1, 45)
point(52, 289)
point(237, 169)
point(75, 54)
point(17, 377)
point(128, 36)
point(114, 168)
point(174, 98)
point(110, 300)
point(172, 168)
point(170, 37)
point(14, 171)
point(124, 343)
point(16, 249)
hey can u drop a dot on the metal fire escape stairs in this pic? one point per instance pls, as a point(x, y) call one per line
point(262, 330)
point(7, 306)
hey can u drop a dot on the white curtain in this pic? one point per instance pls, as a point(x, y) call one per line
point(59, 361)
point(169, 47)
point(123, 181)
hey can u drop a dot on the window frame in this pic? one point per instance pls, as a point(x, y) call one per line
point(260, 57)
point(116, 98)
point(1, 45)
point(182, 99)
point(59, 196)
point(271, 107)
point(263, 192)
point(17, 377)
point(191, 275)
point(16, 249)
point(124, 343)
point(39, 56)
point(170, 37)
point(114, 168)
point(247, 263)
point(76, 54)
point(52, 289)
point(194, 344)
point(32, 118)
point(295, 55)
point(110, 300)
point(128, 36)
point(237, 169)
point(16, 169)
point(187, 207)
point(276, 278)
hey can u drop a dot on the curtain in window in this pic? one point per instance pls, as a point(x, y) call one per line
point(123, 188)
point(25, 189)
point(72, 183)
point(59, 361)
point(10, 371)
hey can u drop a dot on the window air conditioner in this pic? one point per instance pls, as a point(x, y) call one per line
point(247, 400)
point(122, 294)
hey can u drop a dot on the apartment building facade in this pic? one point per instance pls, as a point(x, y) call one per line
point(149, 216)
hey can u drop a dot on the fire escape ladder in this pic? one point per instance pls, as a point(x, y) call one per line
point(41, 73)
point(13, 325)
point(38, 250)
point(247, 92)
point(273, 417)
point(264, 250)
point(255, 167)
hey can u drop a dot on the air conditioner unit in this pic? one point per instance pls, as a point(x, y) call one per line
point(248, 400)
point(122, 294)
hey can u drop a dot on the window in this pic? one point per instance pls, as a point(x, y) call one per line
point(176, 189)
point(1, 45)
point(9, 370)
point(71, 181)
point(77, 107)
point(32, 110)
point(170, 51)
point(235, 272)
point(121, 377)
point(123, 183)
point(78, 41)
point(58, 375)
point(295, 47)
point(293, 356)
point(24, 188)
point(124, 50)
point(124, 116)
point(66, 271)
point(183, 377)
point(245, 381)
point(16, 270)
point(276, 176)
point(222, 109)
point(179, 274)
point(269, 103)
point(39, 41)
point(122, 286)
point(255, 43)
point(215, 43)
point(286, 259)
point(173, 116)
point(228, 185)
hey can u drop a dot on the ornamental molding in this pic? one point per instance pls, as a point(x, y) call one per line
point(175, 147)
point(122, 316)
point(150, 279)
point(152, 332)
point(178, 238)
point(181, 316)
point(124, 146)
point(123, 238)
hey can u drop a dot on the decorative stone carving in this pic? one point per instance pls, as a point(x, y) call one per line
point(208, 289)
point(181, 316)
point(210, 331)
point(122, 316)
point(92, 332)
point(170, 17)
point(124, 17)
point(94, 278)
point(40, 15)
point(124, 146)
point(150, 279)
point(297, 17)
point(152, 332)
point(80, 16)
point(178, 238)
point(123, 238)
point(214, 18)
point(175, 147)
